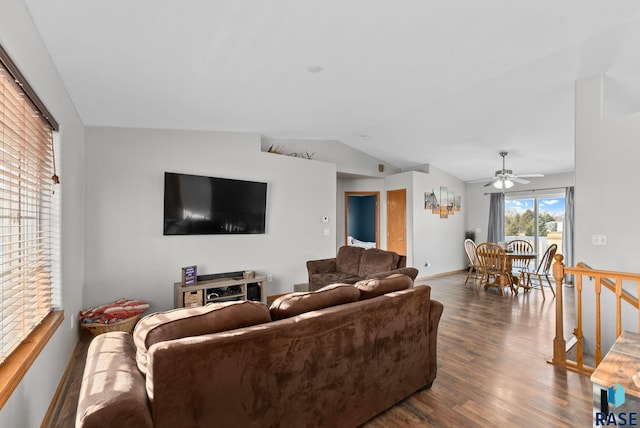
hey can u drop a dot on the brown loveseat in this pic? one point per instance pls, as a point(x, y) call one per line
point(353, 264)
point(330, 359)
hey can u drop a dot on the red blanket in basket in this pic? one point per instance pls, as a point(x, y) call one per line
point(113, 312)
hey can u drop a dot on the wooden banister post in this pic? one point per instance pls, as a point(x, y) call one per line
point(559, 344)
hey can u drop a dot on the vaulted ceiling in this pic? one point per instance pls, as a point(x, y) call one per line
point(410, 82)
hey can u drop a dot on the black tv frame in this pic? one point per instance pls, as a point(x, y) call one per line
point(203, 205)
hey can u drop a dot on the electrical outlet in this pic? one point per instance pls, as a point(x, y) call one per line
point(72, 320)
point(598, 239)
point(269, 278)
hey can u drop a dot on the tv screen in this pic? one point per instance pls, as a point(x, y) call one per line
point(197, 205)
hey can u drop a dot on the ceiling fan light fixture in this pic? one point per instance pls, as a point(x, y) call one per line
point(505, 178)
point(505, 183)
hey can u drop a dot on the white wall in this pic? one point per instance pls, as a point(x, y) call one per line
point(439, 241)
point(429, 238)
point(126, 252)
point(607, 174)
point(29, 402)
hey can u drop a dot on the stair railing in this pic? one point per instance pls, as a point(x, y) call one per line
point(611, 281)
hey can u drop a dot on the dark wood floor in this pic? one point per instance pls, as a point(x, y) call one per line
point(492, 369)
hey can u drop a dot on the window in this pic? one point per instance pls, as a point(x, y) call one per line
point(536, 219)
point(28, 209)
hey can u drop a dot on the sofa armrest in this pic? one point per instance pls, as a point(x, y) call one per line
point(402, 261)
point(112, 393)
point(435, 312)
point(321, 266)
point(411, 272)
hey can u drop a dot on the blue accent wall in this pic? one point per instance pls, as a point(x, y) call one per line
point(362, 218)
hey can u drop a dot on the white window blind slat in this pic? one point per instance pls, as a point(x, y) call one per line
point(26, 210)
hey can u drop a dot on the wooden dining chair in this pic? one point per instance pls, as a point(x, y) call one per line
point(535, 278)
point(520, 246)
point(520, 265)
point(493, 267)
point(474, 265)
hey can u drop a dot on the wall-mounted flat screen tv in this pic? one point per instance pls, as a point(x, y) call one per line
point(197, 205)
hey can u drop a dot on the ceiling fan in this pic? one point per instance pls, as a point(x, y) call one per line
point(505, 178)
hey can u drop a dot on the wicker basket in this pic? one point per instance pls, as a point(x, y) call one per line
point(193, 299)
point(125, 325)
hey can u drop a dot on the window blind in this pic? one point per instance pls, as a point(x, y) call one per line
point(26, 214)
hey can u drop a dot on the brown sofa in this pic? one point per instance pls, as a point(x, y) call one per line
point(334, 357)
point(353, 264)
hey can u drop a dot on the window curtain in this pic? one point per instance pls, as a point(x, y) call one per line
point(495, 230)
point(567, 232)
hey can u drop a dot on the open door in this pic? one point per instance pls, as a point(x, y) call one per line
point(397, 221)
point(362, 219)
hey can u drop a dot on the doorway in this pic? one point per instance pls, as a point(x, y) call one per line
point(362, 219)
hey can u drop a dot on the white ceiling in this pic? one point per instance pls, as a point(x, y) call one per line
point(449, 83)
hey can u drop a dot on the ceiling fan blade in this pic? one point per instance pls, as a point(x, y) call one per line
point(530, 175)
point(494, 180)
point(480, 180)
point(506, 176)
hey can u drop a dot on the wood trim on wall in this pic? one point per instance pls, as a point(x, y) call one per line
point(439, 275)
point(63, 385)
point(16, 366)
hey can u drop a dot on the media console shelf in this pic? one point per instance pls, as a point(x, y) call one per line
point(219, 290)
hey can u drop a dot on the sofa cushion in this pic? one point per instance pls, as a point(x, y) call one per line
point(112, 388)
point(411, 272)
point(185, 322)
point(322, 279)
point(375, 260)
point(294, 304)
point(348, 259)
point(370, 288)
